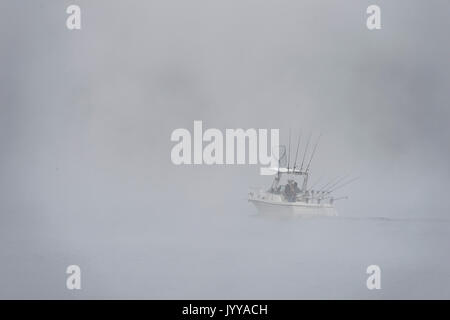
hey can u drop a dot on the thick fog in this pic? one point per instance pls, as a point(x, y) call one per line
point(86, 175)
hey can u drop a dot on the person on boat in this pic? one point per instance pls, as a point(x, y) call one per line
point(296, 188)
point(290, 192)
point(287, 191)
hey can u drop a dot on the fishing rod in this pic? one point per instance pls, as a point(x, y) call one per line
point(338, 181)
point(343, 185)
point(335, 199)
point(296, 152)
point(289, 153)
point(314, 151)
point(283, 149)
point(324, 190)
point(304, 154)
point(315, 183)
point(329, 183)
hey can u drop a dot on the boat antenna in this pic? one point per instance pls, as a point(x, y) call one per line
point(296, 152)
point(306, 150)
point(289, 153)
point(314, 151)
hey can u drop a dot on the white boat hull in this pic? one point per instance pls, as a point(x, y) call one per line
point(268, 207)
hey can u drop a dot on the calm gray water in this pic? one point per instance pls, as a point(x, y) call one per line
point(231, 256)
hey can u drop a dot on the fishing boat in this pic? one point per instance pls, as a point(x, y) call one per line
point(289, 194)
